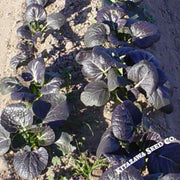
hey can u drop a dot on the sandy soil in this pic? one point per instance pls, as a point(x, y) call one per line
point(10, 18)
point(167, 18)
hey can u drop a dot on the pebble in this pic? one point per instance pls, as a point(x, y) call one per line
point(69, 45)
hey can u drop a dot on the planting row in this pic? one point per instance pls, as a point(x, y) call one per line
point(117, 70)
point(31, 126)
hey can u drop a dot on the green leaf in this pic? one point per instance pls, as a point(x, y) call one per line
point(56, 160)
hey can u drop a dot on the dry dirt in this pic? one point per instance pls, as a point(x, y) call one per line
point(165, 12)
point(167, 18)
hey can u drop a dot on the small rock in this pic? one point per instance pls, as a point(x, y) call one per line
point(69, 45)
point(96, 174)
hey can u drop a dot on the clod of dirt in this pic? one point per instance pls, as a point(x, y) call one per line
point(69, 45)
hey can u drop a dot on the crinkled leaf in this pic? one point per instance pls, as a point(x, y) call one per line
point(24, 32)
point(53, 86)
point(122, 123)
point(18, 60)
point(113, 16)
point(130, 173)
point(145, 75)
point(23, 94)
point(144, 33)
point(40, 2)
point(64, 143)
point(5, 140)
point(29, 164)
point(161, 98)
point(108, 144)
point(35, 12)
point(55, 20)
point(139, 55)
point(9, 84)
point(15, 115)
point(165, 159)
point(96, 35)
point(95, 93)
point(37, 69)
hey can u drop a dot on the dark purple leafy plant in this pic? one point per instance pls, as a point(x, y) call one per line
point(130, 173)
point(108, 144)
point(144, 34)
point(95, 93)
point(55, 21)
point(124, 30)
point(145, 75)
point(96, 35)
point(124, 119)
point(165, 160)
point(28, 164)
point(35, 13)
point(27, 134)
point(112, 16)
point(5, 140)
point(52, 108)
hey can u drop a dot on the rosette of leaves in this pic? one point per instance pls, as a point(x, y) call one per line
point(28, 135)
point(17, 121)
point(38, 22)
point(103, 68)
point(124, 31)
point(146, 73)
point(38, 83)
point(159, 162)
point(125, 119)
